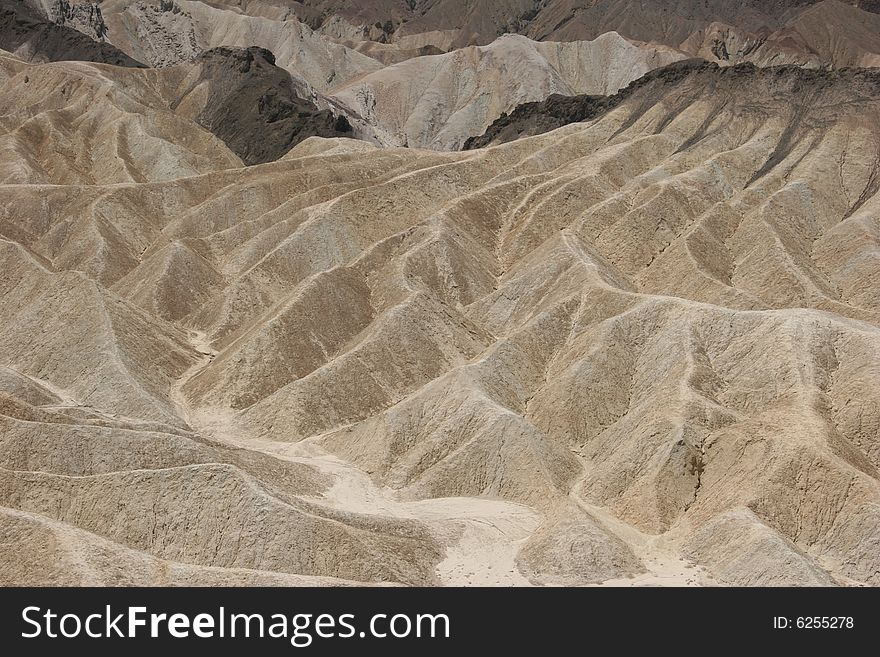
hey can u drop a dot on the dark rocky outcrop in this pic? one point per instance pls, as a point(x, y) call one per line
point(256, 108)
point(35, 38)
point(681, 82)
point(537, 118)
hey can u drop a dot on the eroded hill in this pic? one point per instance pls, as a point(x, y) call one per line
point(641, 348)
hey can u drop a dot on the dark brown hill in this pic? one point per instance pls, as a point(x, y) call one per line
point(255, 107)
point(34, 38)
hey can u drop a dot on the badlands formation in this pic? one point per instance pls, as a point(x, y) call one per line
point(807, 32)
point(264, 323)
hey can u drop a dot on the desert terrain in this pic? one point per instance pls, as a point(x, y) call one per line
point(440, 292)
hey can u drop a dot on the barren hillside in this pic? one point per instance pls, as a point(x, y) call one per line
point(435, 73)
point(31, 35)
point(811, 32)
point(438, 102)
point(640, 348)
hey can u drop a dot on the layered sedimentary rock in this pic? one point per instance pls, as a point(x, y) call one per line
point(641, 347)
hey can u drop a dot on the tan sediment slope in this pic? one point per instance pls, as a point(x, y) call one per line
point(174, 37)
point(78, 122)
point(643, 349)
point(431, 102)
point(91, 123)
point(439, 101)
point(815, 33)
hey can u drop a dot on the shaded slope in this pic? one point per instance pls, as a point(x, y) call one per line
point(573, 357)
point(439, 101)
point(40, 549)
point(253, 106)
point(30, 36)
point(778, 85)
point(539, 117)
point(88, 123)
point(173, 35)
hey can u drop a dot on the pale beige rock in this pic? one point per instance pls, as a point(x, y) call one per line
point(144, 32)
point(647, 345)
point(439, 101)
